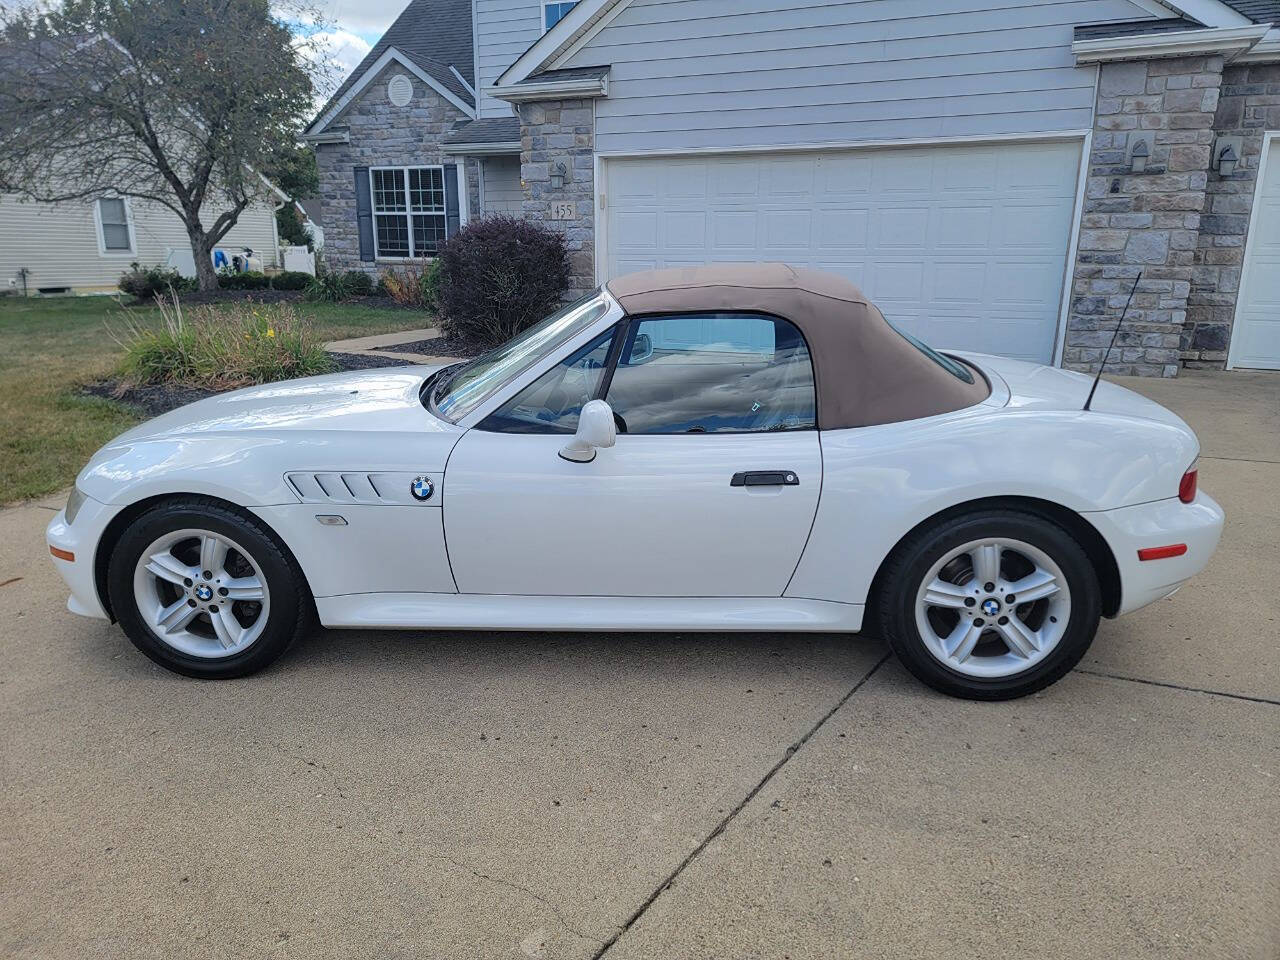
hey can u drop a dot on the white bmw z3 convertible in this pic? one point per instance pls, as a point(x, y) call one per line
point(735, 447)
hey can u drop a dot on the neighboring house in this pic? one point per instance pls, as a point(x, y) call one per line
point(992, 174)
point(83, 247)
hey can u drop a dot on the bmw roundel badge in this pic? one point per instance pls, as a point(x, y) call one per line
point(422, 488)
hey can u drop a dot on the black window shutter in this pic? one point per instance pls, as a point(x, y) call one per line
point(364, 213)
point(452, 212)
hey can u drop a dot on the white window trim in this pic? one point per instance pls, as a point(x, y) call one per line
point(102, 240)
point(407, 213)
point(542, 14)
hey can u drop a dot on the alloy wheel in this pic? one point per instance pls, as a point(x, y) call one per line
point(201, 593)
point(993, 608)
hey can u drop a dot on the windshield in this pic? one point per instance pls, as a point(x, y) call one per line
point(462, 388)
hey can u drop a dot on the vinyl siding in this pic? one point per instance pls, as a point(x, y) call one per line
point(58, 243)
point(502, 190)
point(738, 73)
point(504, 30)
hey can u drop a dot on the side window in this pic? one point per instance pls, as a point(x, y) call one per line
point(113, 218)
point(551, 403)
point(713, 373)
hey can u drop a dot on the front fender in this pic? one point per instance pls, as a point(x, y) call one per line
point(245, 470)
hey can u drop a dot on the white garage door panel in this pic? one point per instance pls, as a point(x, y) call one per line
point(1256, 340)
point(964, 246)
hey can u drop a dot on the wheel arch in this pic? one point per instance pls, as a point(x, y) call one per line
point(121, 521)
point(1085, 533)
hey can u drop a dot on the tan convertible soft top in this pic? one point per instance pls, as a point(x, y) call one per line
point(866, 372)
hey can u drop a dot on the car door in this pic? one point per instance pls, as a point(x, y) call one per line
point(709, 491)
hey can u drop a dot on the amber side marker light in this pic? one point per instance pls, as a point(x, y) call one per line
point(1162, 553)
point(66, 555)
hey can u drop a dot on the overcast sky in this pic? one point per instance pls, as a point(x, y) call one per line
point(356, 27)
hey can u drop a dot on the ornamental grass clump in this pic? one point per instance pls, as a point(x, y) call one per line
point(220, 348)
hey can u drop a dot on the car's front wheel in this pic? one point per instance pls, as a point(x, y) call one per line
point(206, 590)
point(991, 605)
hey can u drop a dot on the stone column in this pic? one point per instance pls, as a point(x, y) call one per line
point(562, 131)
point(1249, 106)
point(1146, 221)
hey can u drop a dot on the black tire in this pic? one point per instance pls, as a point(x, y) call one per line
point(290, 614)
point(916, 555)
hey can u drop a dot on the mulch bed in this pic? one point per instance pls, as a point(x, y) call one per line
point(151, 400)
point(442, 346)
point(200, 298)
point(156, 399)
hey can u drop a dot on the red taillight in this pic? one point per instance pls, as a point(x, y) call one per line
point(1187, 488)
point(1162, 553)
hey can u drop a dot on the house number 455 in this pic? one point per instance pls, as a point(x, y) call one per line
point(564, 210)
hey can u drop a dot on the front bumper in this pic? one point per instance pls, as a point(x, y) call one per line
point(1161, 523)
point(81, 540)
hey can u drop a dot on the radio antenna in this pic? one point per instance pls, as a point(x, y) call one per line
point(1115, 333)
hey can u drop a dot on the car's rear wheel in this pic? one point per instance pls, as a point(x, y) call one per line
point(992, 605)
point(206, 590)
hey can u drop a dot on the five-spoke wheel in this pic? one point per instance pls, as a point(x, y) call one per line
point(205, 589)
point(993, 608)
point(990, 605)
point(201, 593)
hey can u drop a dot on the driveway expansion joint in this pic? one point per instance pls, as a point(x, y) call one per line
point(1178, 686)
point(720, 827)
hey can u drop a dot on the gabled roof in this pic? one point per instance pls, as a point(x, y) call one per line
point(1259, 11)
point(431, 35)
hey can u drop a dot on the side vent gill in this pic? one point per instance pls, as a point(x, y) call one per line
point(357, 488)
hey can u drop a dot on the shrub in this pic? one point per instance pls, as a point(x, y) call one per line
point(360, 282)
point(252, 280)
point(150, 282)
point(333, 287)
point(290, 280)
point(413, 285)
point(223, 347)
point(498, 276)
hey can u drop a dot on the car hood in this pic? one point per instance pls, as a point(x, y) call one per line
point(1034, 386)
point(366, 400)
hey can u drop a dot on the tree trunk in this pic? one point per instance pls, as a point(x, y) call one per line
point(202, 250)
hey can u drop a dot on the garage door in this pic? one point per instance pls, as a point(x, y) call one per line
point(1256, 341)
point(964, 246)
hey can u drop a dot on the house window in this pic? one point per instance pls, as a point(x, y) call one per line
point(553, 13)
point(408, 211)
point(113, 226)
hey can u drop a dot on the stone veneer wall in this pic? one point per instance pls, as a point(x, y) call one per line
point(562, 130)
point(382, 134)
point(1249, 105)
point(1148, 221)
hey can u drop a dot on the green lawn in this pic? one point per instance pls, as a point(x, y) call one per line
point(48, 347)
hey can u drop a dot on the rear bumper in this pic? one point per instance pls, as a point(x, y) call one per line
point(1161, 523)
point(81, 540)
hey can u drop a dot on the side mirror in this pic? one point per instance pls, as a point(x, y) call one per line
point(641, 348)
point(595, 429)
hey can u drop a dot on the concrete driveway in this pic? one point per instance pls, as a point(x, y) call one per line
point(510, 795)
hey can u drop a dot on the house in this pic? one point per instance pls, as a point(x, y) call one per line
point(993, 174)
point(83, 247)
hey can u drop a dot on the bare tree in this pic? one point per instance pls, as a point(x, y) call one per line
point(185, 103)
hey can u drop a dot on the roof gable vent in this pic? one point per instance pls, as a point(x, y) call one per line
point(400, 90)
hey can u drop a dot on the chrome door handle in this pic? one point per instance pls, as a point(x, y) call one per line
point(765, 478)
